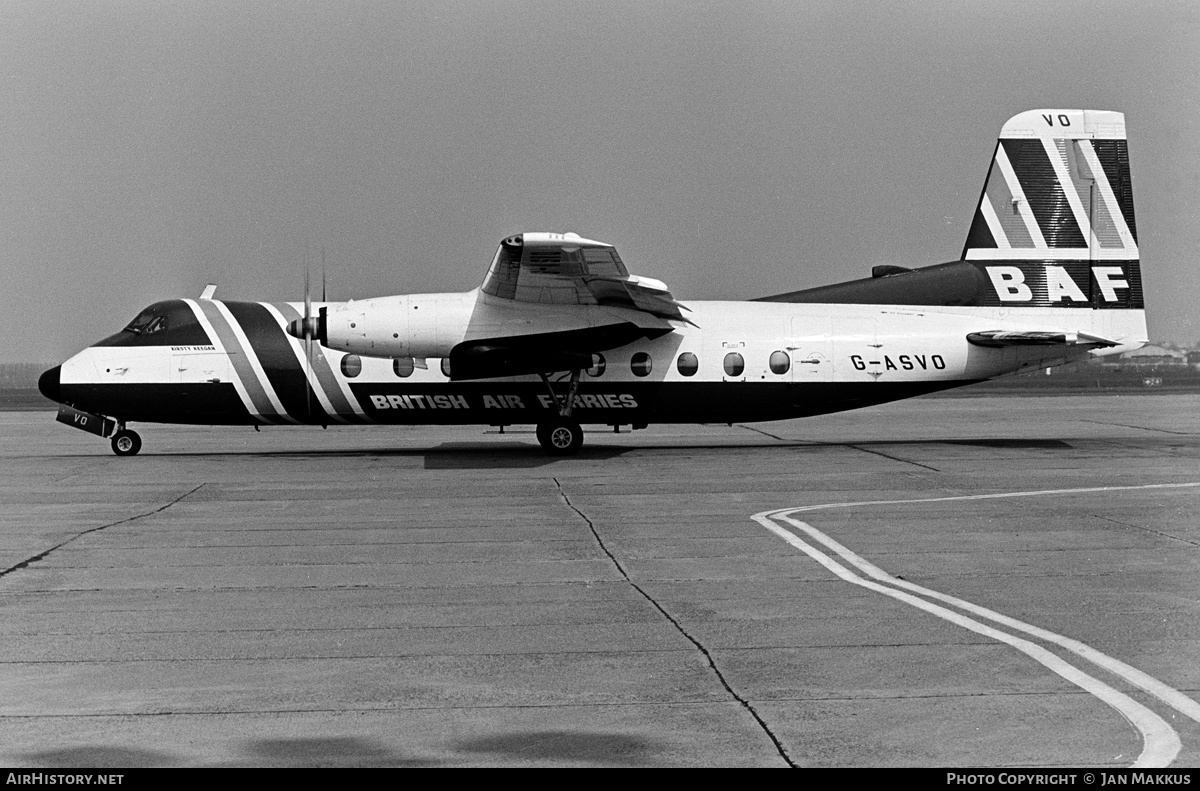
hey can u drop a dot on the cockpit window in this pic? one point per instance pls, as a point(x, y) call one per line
point(168, 323)
point(147, 323)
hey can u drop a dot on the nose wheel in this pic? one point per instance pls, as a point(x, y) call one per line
point(560, 437)
point(126, 442)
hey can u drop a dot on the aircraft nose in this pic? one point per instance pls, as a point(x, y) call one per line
point(48, 383)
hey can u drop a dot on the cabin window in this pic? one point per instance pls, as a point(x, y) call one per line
point(597, 370)
point(780, 362)
point(734, 364)
point(446, 366)
point(641, 364)
point(403, 366)
point(351, 366)
point(688, 364)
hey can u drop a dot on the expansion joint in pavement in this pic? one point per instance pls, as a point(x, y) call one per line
point(43, 555)
point(760, 431)
point(708, 657)
point(893, 458)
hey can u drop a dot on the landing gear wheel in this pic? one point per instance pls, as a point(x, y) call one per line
point(560, 437)
point(126, 443)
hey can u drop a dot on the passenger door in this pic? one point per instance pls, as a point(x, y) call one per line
point(811, 349)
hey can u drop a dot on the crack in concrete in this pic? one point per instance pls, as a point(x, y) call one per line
point(893, 458)
point(1146, 529)
point(679, 627)
point(42, 555)
point(1140, 428)
point(760, 431)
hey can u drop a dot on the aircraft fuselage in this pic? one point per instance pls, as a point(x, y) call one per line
point(234, 364)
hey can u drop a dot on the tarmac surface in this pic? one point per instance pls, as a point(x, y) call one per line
point(991, 581)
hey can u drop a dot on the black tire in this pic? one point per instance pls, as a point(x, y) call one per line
point(560, 437)
point(126, 443)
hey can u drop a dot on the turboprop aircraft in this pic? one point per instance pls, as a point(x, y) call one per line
point(560, 334)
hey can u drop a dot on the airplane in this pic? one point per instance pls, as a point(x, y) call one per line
point(561, 334)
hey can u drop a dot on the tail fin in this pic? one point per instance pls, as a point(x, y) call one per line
point(1055, 221)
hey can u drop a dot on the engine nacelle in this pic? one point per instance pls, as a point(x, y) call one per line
point(412, 325)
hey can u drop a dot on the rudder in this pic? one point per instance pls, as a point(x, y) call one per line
point(1055, 222)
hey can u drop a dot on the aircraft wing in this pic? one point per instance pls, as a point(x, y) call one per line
point(639, 293)
point(566, 269)
point(551, 301)
point(1001, 338)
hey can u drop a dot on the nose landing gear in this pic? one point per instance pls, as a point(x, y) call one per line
point(126, 442)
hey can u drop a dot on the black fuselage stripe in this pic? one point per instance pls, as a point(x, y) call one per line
point(322, 371)
point(239, 359)
point(520, 403)
point(277, 359)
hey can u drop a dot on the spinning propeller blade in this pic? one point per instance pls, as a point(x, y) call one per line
point(307, 341)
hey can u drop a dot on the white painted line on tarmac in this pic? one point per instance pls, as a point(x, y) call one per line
point(996, 496)
point(1160, 741)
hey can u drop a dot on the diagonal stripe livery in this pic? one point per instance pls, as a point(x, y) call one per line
point(560, 333)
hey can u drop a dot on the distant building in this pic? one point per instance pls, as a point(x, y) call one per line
point(1152, 355)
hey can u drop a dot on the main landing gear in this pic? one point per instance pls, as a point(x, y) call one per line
point(561, 436)
point(126, 442)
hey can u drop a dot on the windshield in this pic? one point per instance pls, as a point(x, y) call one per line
point(147, 323)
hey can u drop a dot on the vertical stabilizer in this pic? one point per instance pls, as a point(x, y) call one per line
point(1058, 206)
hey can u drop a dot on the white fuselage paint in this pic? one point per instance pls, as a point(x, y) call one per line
point(824, 343)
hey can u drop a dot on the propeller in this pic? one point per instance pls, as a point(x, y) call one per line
point(307, 342)
point(308, 327)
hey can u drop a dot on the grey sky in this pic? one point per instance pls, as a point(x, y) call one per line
point(730, 149)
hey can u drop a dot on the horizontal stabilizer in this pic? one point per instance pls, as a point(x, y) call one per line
point(1001, 338)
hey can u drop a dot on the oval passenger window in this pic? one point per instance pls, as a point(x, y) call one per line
point(687, 364)
point(780, 362)
point(734, 364)
point(597, 369)
point(641, 364)
point(403, 366)
point(351, 366)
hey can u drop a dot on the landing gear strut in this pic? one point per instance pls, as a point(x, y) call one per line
point(126, 442)
point(561, 436)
